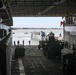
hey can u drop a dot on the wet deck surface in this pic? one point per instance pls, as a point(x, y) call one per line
point(35, 63)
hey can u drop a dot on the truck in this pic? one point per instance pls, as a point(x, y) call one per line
point(51, 47)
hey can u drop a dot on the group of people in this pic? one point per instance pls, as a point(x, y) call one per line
point(18, 43)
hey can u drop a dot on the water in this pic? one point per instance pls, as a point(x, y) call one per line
point(25, 34)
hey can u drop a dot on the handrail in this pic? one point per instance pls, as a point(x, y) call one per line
point(4, 39)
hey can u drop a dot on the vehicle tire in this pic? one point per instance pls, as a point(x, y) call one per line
point(39, 47)
point(44, 52)
point(48, 55)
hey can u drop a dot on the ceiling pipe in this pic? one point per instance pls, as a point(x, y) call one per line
point(50, 7)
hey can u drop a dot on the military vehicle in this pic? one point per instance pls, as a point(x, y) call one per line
point(51, 47)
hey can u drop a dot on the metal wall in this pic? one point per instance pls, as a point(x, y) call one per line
point(5, 51)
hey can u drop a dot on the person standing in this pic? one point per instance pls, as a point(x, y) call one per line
point(18, 42)
point(14, 43)
point(29, 42)
point(23, 42)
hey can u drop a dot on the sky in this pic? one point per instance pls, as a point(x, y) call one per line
point(36, 22)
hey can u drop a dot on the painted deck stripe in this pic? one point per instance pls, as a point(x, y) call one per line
point(42, 65)
point(32, 65)
point(21, 67)
point(33, 53)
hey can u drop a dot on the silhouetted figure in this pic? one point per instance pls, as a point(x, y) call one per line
point(18, 42)
point(14, 43)
point(60, 35)
point(23, 42)
point(29, 42)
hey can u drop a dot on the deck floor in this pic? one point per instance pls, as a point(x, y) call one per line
point(35, 63)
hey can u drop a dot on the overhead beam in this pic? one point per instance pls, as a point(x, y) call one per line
point(50, 7)
point(5, 12)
